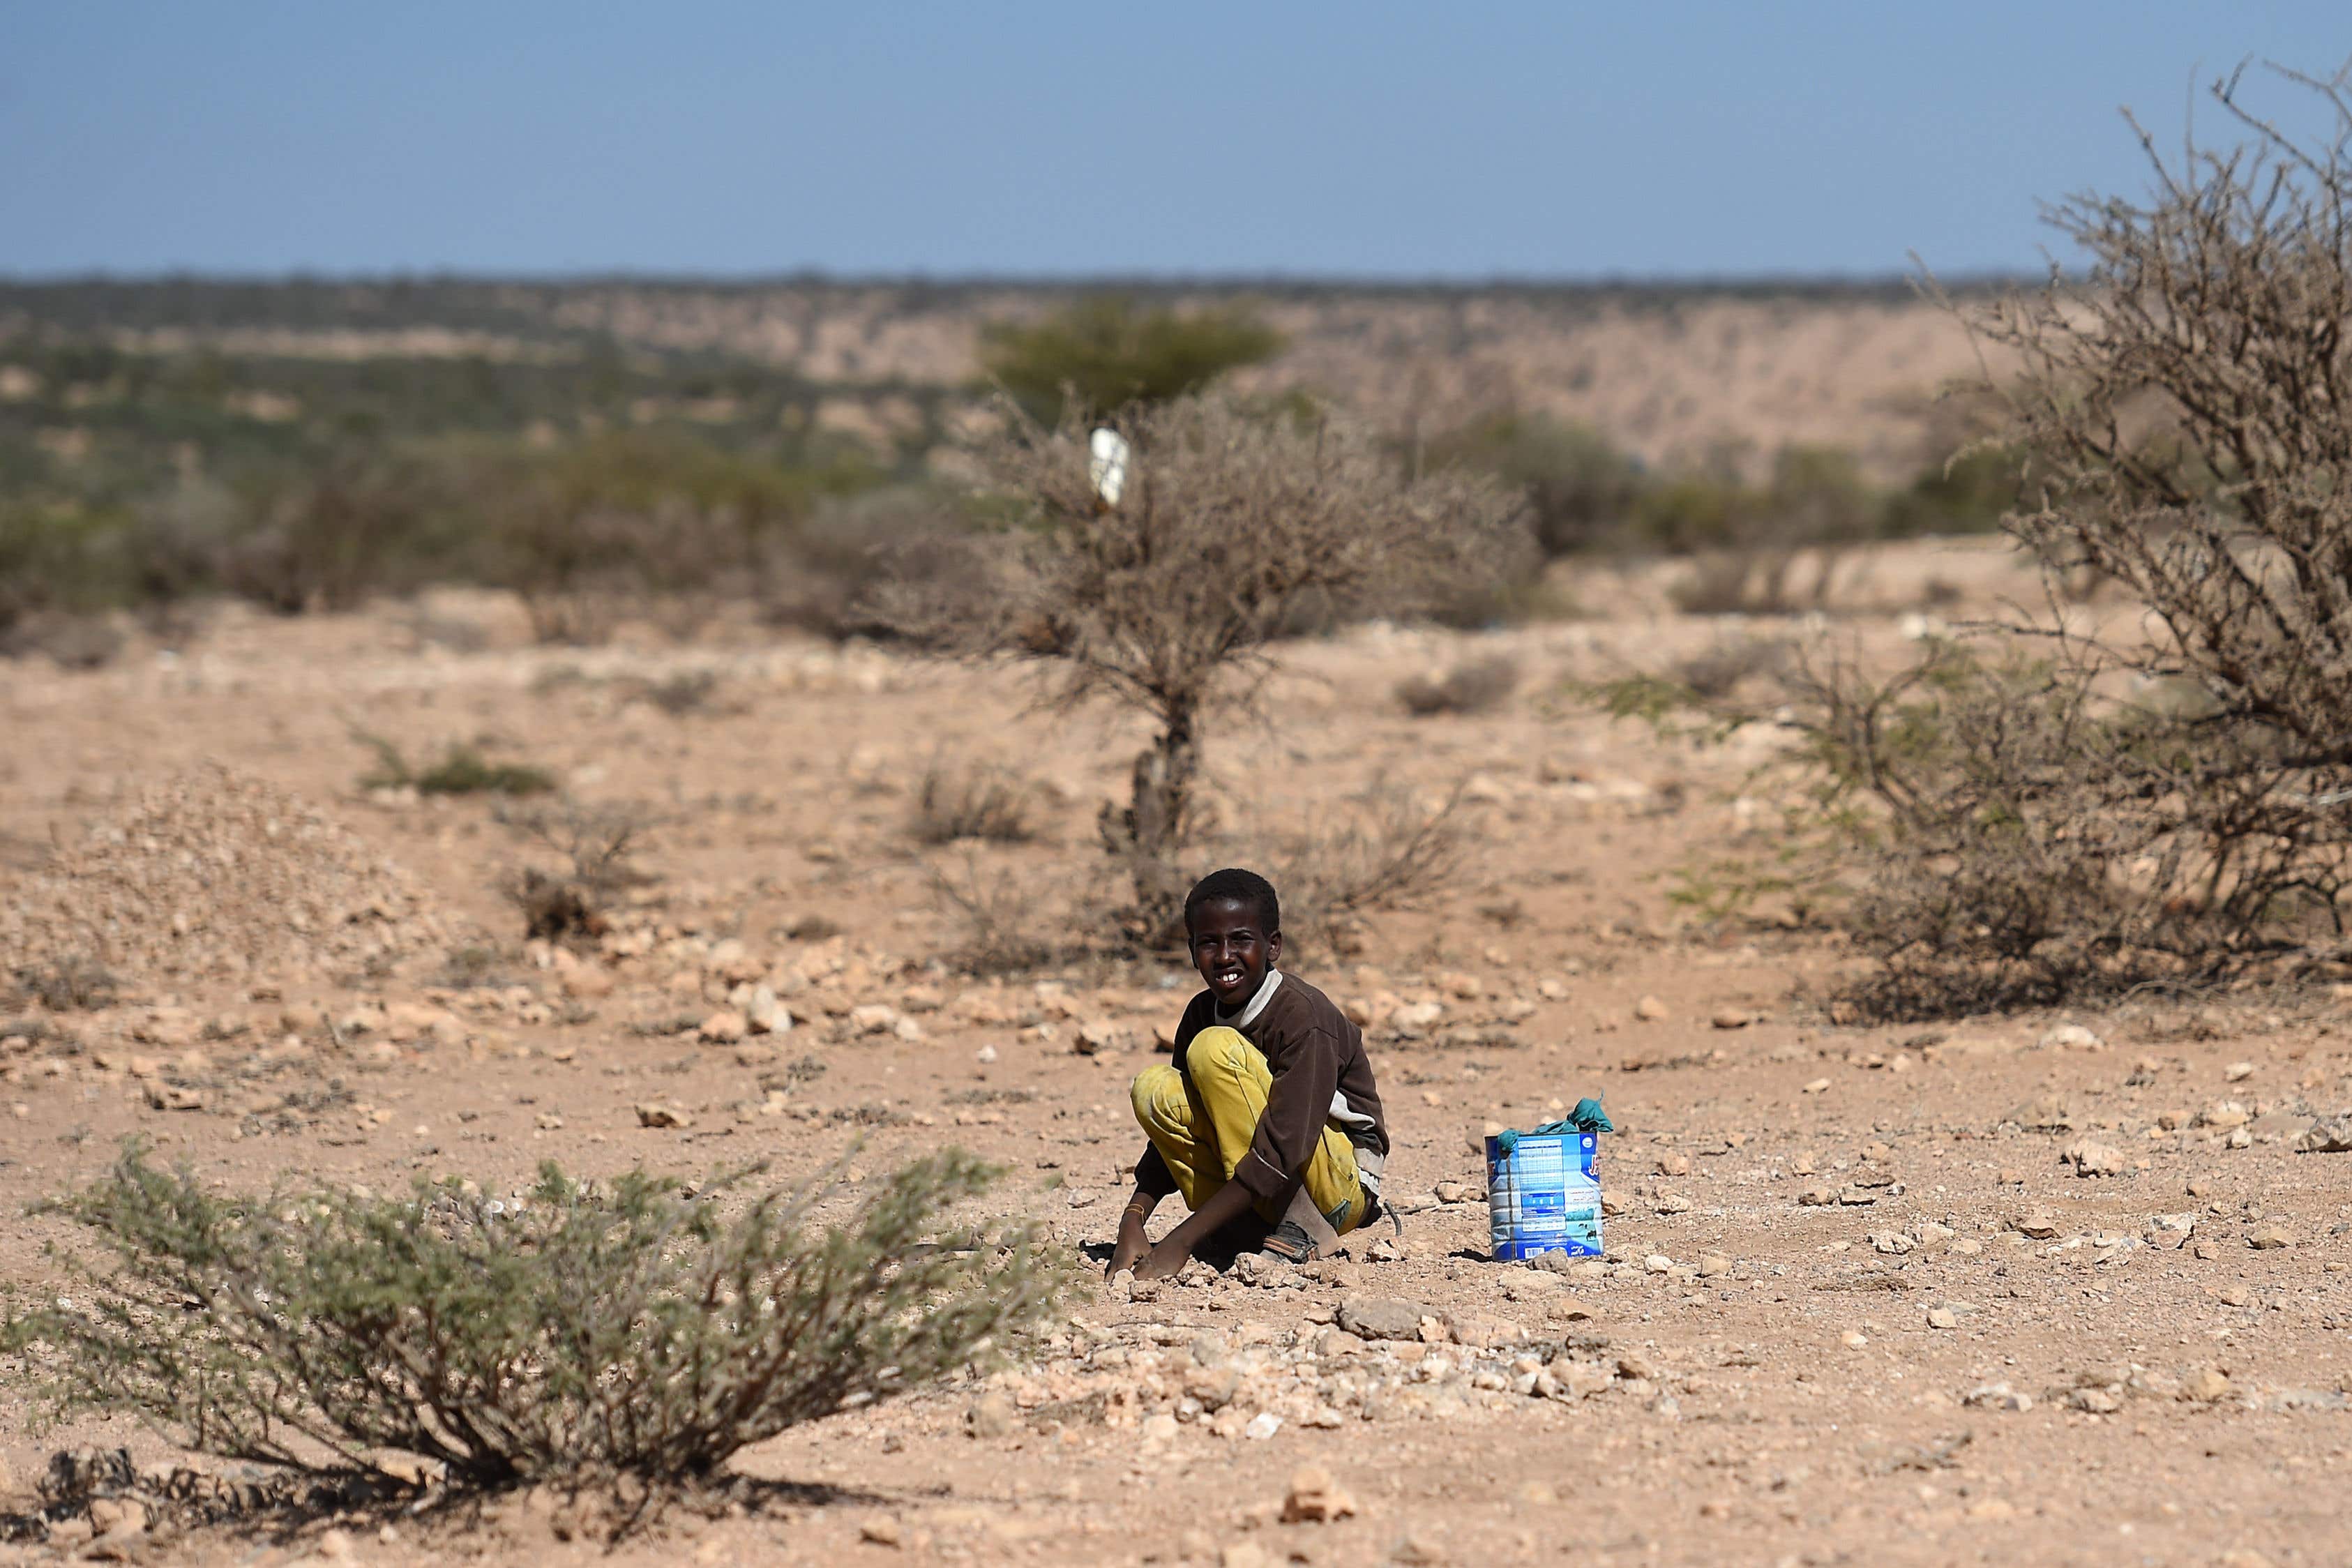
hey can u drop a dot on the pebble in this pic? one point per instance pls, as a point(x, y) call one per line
point(1316, 1498)
point(2268, 1237)
point(659, 1113)
point(1650, 1010)
point(2072, 1037)
point(2206, 1386)
point(1998, 1396)
point(1732, 1018)
point(2095, 1159)
point(1382, 1317)
point(881, 1530)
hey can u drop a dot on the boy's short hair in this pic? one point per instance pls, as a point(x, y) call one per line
point(1239, 887)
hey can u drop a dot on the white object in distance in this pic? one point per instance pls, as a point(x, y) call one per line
point(1107, 464)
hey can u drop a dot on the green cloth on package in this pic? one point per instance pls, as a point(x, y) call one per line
point(1588, 1117)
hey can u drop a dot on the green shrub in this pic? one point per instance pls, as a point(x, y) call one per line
point(581, 1334)
point(462, 770)
point(1106, 351)
point(1581, 489)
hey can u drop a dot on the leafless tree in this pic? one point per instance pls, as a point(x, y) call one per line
point(1234, 527)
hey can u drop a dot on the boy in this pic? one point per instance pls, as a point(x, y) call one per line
point(1270, 1108)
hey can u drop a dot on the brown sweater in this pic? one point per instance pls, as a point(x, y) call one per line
point(1321, 1076)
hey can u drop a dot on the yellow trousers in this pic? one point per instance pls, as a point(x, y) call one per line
point(1203, 1127)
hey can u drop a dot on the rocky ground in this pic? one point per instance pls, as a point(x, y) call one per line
point(2029, 1288)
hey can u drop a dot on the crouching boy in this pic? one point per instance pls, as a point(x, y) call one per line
point(1268, 1118)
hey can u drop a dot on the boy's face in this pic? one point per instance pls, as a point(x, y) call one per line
point(1231, 951)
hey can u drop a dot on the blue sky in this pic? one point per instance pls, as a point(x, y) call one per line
point(1368, 139)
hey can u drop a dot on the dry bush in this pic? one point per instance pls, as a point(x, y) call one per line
point(2058, 811)
point(1478, 686)
point(68, 984)
point(1389, 846)
point(688, 691)
point(1728, 662)
point(1006, 926)
point(599, 845)
point(584, 1334)
point(993, 804)
point(1232, 526)
point(70, 641)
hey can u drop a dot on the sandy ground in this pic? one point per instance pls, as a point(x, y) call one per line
point(1855, 1307)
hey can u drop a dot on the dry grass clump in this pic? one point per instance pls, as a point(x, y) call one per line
point(1720, 669)
point(1005, 925)
point(1388, 845)
point(583, 1334)
point(67, 984)
point(599, 845)
point(1478, 686)
point(990, 804)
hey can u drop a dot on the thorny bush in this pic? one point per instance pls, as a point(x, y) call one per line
point(1234, 527)
point(583, 1334)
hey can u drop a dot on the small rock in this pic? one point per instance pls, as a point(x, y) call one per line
point(1381, 1318)
point(1818, 1195)
point(881, 1530)
point(1943, 1318)
point(1732, 1018)
point(1261, 1425)
point(724, 1027)
point(1316, 1499)
point(1819, 1086)
point(661, 1114)
point(1713, 1265)
point(1650, 1010)
point(2094, 1401)
point(2206, 1386)
point(2093, 1159)
point(1452, 1192)
point(1998, 1396)
point(1245, 1554)
point(2331, 1136)
point(765, 1014)
point(2072, 1037)
point(2269, 1237)
point(2036, 1223)
point(1892, 1244)
point(990, 1415)
point(121, 1516)
point(2237, 1072)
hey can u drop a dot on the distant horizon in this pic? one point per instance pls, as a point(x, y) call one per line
point(1149, 282)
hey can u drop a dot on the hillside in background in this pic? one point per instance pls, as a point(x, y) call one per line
point(1671, 375)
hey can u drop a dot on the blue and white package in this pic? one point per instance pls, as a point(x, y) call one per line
point(1543, 1196)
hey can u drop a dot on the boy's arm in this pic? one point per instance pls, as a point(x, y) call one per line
point(1133, 1245)
point(1227, 1203)
point(1153, 1181)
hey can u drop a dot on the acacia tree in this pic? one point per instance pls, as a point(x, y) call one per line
point(1232, 528)
point(2169, 791)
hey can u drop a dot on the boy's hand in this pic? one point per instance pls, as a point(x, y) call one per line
point(1132, 1247)
point(1164, 1261)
